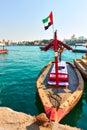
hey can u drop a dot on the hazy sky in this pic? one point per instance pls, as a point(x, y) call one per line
point(21, 20)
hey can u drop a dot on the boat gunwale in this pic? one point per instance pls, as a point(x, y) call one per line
point(69, 103)
point(3, 51)
point(83, 72)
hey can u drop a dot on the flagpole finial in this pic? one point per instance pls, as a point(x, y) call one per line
point(55, 33)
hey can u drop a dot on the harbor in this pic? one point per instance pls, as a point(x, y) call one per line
point(18, 82)
point(43, 65)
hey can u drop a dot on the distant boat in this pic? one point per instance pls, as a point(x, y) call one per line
point(79, 50)
point(81, 64)
point(3, 50)
point(59, 84)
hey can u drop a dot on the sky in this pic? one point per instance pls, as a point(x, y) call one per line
point(21, 20)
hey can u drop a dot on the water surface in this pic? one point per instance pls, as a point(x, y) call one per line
point(18, 73)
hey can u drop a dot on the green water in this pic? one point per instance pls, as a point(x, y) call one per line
point(18, 73)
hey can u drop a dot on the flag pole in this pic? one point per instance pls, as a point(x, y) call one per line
point(52, 24)
point(56, 53)
point(53, 29)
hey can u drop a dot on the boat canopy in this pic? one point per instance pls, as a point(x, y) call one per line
point(60, 45)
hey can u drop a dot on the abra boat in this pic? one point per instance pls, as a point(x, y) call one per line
point(59, 85)
point(3, 50)
point(81, 64)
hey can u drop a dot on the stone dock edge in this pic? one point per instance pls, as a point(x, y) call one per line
point(13, 120)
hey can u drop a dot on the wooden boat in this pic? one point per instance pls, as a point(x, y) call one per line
point(59, 85)
point(81, 64)
point(79, 51)
point(3, 51)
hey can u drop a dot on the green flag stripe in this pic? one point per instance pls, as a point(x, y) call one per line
point(45, 20)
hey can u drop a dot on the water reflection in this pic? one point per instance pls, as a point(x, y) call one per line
point(82, 122)
point(2, 59)
point(3, 56)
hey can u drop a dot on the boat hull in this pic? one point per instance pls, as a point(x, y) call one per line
point(3, 51)
point(59, 101)
point(81, 64)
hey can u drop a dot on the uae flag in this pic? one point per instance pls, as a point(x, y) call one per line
point(48, 21)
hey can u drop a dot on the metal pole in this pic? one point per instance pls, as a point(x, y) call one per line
point(56, 56)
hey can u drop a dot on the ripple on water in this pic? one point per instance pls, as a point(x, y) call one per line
point(18, 73)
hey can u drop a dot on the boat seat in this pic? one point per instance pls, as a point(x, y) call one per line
point(62, 72)
point(61, 77)
point(60, 83)
point(62, 68)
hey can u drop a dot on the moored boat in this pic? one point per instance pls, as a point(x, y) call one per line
point(3, 50)
point(81, 64)
point(59, 85)
point(79, 51)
